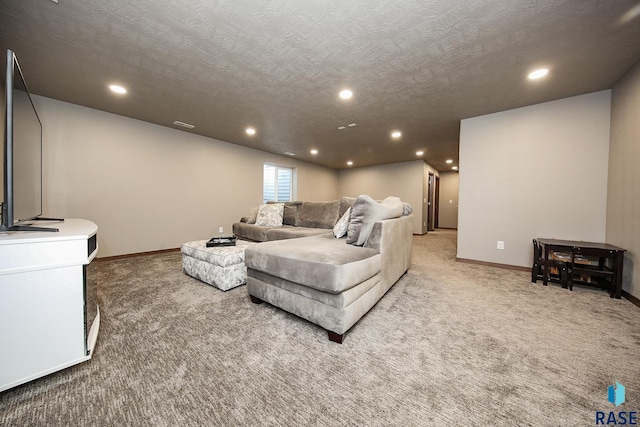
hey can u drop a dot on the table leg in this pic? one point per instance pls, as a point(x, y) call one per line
point(618, 264)
point(545, 275)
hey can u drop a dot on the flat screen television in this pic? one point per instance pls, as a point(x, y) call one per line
point(22, 154)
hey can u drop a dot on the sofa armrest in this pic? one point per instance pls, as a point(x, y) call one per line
point(393, 239)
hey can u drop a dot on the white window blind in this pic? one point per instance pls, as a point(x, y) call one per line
point(277, 184)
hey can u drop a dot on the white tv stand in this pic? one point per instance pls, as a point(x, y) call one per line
point(48, 320)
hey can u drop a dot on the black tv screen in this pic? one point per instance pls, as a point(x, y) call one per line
point(22, 157)
point(27, 154)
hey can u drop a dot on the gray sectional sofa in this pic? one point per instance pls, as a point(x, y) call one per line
point(329, 281)
point(300, 219)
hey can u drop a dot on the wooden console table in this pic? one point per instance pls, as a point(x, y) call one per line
point(603, 251)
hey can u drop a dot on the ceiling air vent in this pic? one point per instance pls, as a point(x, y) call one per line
point(183, 124)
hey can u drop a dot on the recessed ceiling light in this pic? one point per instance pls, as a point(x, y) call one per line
point(250, 131)
point(352, 125)
point(289, 153)
point(455, 168)
point(342, 127)
point(314, 151)
point(346, 94)
point(419, 153)
point(118, 89)
point(449, 161)
point(396, 134)
point(349, 163)
point(539, 73)
point(632, 13)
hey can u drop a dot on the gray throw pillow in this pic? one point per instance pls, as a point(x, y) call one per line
point(318, 214)
point(290, 216)
point(365, 212)
point(253, 215)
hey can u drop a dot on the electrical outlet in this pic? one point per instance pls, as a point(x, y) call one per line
point(500, 244)
point(220, 229)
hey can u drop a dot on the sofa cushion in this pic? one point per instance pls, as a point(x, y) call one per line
point(290, 213)
point(365, 212)
point(270, 215)
point(253, 215)
point(318, 214)
point(341, 300)
point(290, 216)
point(251, 231)
point(345, 203)
point(290, 232)
point(320, 262)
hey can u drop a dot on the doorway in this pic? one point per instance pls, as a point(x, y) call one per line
point(430, 191)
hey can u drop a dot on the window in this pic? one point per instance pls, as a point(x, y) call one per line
point(278, 184)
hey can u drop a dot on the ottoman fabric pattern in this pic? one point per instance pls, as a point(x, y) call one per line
point(222, 256)
point(222, 267)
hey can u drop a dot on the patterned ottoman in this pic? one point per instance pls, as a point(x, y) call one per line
point(222, 266)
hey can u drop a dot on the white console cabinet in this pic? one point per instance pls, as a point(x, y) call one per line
point(48, 318)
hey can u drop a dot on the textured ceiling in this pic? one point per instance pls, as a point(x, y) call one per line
point(419, 66)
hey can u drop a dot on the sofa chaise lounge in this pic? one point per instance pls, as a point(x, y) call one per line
point(329, 281)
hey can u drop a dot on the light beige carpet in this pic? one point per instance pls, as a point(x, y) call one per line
point(450, 344)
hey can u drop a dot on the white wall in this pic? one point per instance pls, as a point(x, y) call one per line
point(537, 171)
point(150, 187)
point(404, 180)
point(623, 203)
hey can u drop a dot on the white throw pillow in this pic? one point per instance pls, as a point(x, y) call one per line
point(340, 229)
point(270, 215)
